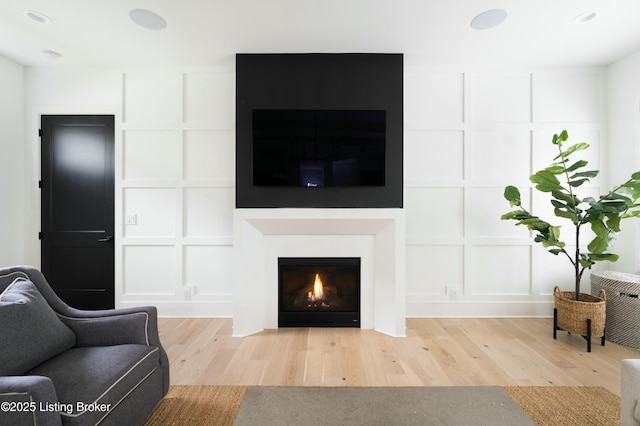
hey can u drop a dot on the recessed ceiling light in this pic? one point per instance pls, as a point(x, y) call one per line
point(585, 17)
point(38, 17)
point(489, 19)
point(148, 19)
point(51, 54)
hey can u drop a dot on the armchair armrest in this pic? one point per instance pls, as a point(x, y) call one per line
point(28, 400)
point(138, 325)
point(114, 327)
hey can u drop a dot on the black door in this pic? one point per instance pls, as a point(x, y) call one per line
point(77, 170)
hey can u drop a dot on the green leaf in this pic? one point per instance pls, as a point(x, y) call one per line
point(576, 183)
point(539, 226)
point(573, 148)
point(549, 243)
point(614, 207)
point(577, 165)
point(613, 223)
point(562, 137)
point(565, 214)
point(559, 204)
point(617, 196)
point(586, 263)
point(631, 213)
point(588, 174)
point(515, 214)
point(512, 194)
point(636, 176)
point(554, 232)
point(604, 256)
point(555, 169)
point(529, 221)
point(566, 197)
point(545, 181)
point(601, 241)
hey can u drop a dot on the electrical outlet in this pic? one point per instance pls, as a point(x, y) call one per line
point(131, 219)
point(189, 291)
point(453, 291)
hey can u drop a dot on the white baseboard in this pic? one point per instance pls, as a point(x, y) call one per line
point(187, 309)
point(442, 309)
point(475, 309)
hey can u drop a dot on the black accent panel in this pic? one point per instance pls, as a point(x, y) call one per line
point(320, 81)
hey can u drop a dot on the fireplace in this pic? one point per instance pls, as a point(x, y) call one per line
point(262, 236)
point(319, 292)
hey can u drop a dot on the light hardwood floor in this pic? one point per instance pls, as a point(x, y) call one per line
point(436, 352)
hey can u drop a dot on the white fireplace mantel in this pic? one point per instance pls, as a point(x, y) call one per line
point(377, 236)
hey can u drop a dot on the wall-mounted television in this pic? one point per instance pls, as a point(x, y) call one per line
point(319, 130)
point(318, 148)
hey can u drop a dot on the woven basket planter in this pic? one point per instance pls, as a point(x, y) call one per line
point(585, 317)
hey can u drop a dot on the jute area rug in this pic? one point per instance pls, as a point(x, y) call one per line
point(483, 405)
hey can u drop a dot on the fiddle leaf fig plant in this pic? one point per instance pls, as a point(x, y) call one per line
point(604, 214)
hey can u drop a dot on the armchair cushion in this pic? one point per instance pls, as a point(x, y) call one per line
point(91, 381)
point(31, 329)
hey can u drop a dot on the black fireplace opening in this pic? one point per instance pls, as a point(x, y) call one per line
point(319, 292)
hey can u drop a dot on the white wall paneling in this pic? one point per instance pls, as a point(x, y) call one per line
point(462, 260)
point(154, 210)
point(208, 212)
point(209, 156)
point(209, 98)
point(152, 99)
point(493, 276)
point(206, 269)
point(441, 155)
point(468, 133)
point(568, 97)
point(13, 173)
point(150, 155)
point(177, 202)
point(500, 98)
point(149, 271)
point(437, 100)
point(623, 153)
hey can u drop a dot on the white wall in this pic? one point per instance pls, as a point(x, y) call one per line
point(623, 121)
point(12, 164)
point(468, 133)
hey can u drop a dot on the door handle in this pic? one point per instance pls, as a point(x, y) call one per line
point(105, 239)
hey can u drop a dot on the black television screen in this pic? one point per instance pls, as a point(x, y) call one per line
point(315, 148)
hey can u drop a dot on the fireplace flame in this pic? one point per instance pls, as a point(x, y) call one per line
point(318, 290)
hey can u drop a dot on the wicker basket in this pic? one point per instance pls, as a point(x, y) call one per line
point(623, 305)
point(573, 314)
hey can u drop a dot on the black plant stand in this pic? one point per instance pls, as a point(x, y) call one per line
point(587, 337)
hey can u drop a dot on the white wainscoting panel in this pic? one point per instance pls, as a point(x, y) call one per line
point(208, 212)
point(149, 270)
point(209, 155)
point(154, 209)
point(150, 155)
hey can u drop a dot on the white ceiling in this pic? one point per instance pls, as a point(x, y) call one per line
point(210, 32)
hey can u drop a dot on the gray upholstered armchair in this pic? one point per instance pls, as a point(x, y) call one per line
point(63, 366)
point(630, 393)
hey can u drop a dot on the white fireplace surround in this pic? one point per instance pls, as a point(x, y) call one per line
point(376, 236)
